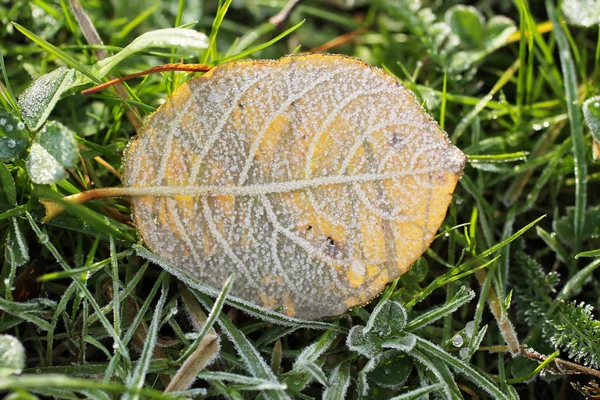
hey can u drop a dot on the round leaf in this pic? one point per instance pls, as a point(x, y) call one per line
point(14, 136)
point(12, 356)
point(315, 180)
point(392, 370)
point(53, 149)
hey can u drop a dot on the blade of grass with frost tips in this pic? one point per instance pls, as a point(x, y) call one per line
point(574, 285)
point(257, 311)
point(248, 353)
point(460, 270)
point(116, 289)
point(461, 298)
point(498, 158)
point(304, 366)
point(264, 45)
point(248, 382)
point(89, 269)
point(58, 53)
point(212, 48)
point(8, 91)
point(212, 317)
point(417, 393)
point(160, 38)
point(474, 375)
point(62, 305)
point(441, 372)
point(575, 121)
point(43, 238)
point(36, 382)
point(339, 381)
point(7, 306)
point(136, 380)
point(142, 311)
point(464, 123)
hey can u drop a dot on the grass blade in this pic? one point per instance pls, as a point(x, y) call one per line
point(136, 380)
point(575, 121)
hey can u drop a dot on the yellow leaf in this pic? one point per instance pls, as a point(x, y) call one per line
point(314, 179)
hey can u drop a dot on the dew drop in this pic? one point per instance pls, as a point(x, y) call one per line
point(457, 340)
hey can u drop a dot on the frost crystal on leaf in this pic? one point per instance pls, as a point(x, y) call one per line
point(315, 180)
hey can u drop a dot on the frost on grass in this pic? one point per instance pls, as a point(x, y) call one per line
point(315, 180)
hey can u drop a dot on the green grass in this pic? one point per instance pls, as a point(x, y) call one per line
point(516, 258)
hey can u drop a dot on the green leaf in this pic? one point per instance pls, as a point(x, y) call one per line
point(404, 342)
point(53, 150)
point(8, 189)
point(304, 367)
point(17, 242)
point(564, 227)
point(391, 370)
point(417, 272)
point(39, 99)
point(582, 12)
point(591, 114)
point(497, 31)
point(12, 356)
point(14, 136)
point(467, 23)
point(363, 342)
point(339, 381)
point(387, 318)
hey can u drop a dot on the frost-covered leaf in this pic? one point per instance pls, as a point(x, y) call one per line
point(387, 318)
point(497, 31)
point(14, 136)
point(467, 23)
point(17, 250)
point(315, 180)
point(339, 381)
point(404, 342)
point(365, 343)
point(591, 114)
point(8, 189)
point(391, 370)
point(38, 100)
point(591, 225)
point(582, 12)
point(12, 356)
point(53, 149)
